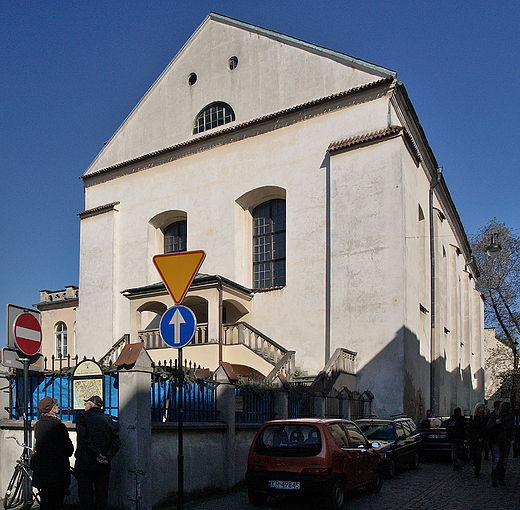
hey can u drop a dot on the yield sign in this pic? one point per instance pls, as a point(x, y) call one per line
point(28, 333)
point(177, 271)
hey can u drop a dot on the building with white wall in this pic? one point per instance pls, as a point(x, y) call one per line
point(58, 323)
point(306, 177)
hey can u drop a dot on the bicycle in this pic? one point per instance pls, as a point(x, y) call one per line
point(14, 495)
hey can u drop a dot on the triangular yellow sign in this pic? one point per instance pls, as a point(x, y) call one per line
point(177, 271)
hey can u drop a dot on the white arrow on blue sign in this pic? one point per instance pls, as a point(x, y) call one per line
point(178, 326)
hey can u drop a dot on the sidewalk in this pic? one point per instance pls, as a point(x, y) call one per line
point(433, 486)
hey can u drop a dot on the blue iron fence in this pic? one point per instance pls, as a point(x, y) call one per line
point(199, 397)
point(254, 404)
point(58, 386)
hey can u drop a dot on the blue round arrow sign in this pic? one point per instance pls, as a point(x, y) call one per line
point(178, 326)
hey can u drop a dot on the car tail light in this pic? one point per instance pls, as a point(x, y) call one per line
point(256, 467)
point(317, 471)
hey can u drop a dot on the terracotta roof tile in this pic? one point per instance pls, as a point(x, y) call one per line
point(364, 138)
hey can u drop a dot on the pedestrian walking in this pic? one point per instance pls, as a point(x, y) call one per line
point(457, 431)
point(493, 416)
point(50, 460)
point(516, 437)
point(477, 432)
point(500, 434)
point(98, 442)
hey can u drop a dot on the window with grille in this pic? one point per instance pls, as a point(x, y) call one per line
point(269, 244)
point(175, 237)
point(213, 116)
point(60, 333)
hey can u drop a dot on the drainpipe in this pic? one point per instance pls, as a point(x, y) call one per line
point(433, 380)
point(220, 316)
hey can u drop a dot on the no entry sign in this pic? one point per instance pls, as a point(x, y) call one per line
point(28, 334)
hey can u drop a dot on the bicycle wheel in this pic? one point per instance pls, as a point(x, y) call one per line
point(14, 493)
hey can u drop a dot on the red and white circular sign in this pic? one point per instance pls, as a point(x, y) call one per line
point(28, 333)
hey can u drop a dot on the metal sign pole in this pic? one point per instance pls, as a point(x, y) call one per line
point(26, 437)
point(180, 458)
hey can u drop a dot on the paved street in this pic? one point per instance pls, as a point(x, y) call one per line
point(433, 486)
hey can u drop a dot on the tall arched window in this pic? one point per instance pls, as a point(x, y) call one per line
point(269, 244)
point(175, 237)
point(213, 116)
point(60, 334)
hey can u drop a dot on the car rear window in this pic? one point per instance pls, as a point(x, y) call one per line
point(436, 423)
point(289, 440)
point(381, 431)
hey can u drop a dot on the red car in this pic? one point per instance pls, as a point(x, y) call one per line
point(315, 456)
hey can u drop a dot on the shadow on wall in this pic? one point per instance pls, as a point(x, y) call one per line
point(399, 377)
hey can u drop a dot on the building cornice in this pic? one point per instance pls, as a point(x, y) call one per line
point(98, 210)
point(230, 130)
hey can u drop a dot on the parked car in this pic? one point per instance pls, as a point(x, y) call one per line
point(316, 456)
point(399, 439)
point(435, 439)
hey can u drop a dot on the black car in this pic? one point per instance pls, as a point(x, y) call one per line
point(399, 442)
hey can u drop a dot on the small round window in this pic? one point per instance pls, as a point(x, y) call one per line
point(233, 63)
point(192, 78)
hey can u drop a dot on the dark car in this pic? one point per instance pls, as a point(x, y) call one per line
point(399, 440)
point(434, 437)
point(324, 457)
point(435, 442)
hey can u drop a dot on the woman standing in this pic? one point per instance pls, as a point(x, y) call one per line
point(500, 429)
point(477, 431)
point(53, 447)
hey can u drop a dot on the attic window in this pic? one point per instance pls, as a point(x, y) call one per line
point(213, 116)
point(233, 63)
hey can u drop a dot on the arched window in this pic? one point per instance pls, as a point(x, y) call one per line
point(60, 334)
point(175, 237)
point(213, 116)
point(269, 244)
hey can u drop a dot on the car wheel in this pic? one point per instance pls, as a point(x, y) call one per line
point(414, 464)
point(375, 485)
point(390, 468)
point(337, 496)
point(257, 498)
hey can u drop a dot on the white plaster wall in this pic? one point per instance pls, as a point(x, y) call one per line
point(206, 186)
point(98, 285)
point(367, 266)
point(270, 76)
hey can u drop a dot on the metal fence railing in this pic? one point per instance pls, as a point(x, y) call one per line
point(58, 385)
point(199, 396)
point(253, 404)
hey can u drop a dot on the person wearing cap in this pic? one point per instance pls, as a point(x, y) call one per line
point(50, 462)
point(97, 442)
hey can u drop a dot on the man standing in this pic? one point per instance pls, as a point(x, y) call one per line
point(457, 431)
point(50, 461)
point(97, 442)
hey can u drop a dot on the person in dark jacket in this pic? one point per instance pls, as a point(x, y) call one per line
point(477, 432)
point(98, 441)
point(516, 438)
point(50, 463)
point(457, 431)
point(500, 434)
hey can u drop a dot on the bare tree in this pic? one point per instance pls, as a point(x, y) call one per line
point(499, 282)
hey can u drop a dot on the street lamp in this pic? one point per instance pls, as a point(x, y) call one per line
point(494, 248)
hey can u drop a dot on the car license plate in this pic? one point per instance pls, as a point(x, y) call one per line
point(435, 436)
point(283, 484)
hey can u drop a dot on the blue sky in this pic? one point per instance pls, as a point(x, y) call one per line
point(72, 71)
